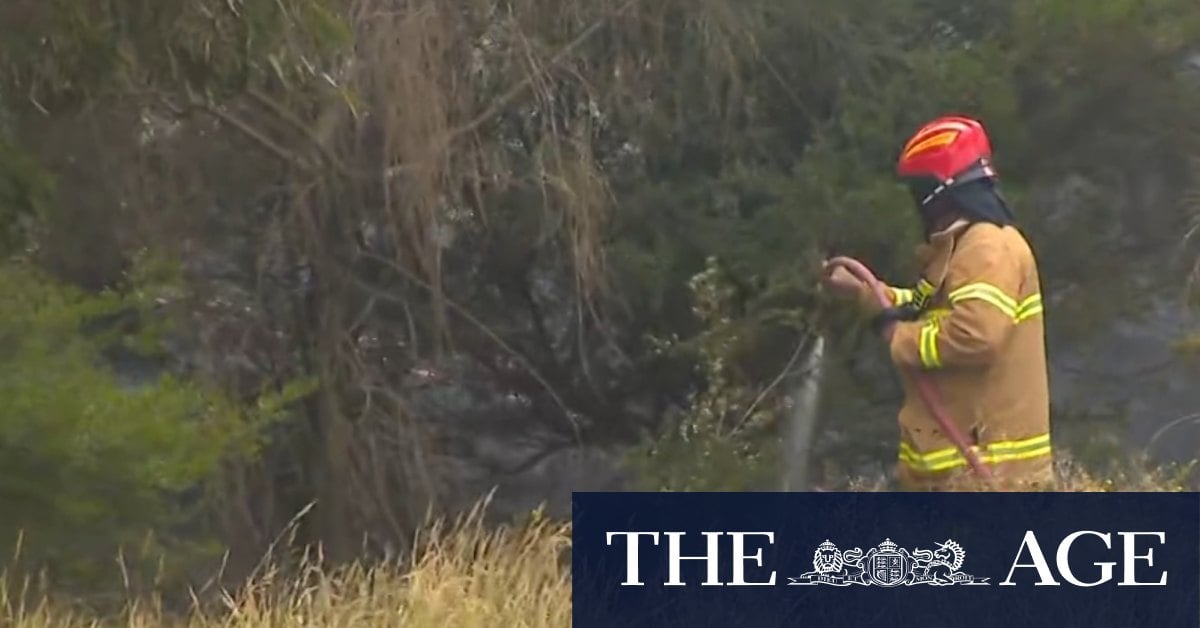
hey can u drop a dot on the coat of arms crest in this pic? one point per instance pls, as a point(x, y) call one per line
point(888, 565)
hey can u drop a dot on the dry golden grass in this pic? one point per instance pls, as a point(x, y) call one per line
point(466, 576)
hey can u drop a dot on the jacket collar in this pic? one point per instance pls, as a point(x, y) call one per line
point(934, 255)
point(949, 233)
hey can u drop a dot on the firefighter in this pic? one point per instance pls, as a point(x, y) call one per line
point(972, 322)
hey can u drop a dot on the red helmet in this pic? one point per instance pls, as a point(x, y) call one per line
point(949, 151)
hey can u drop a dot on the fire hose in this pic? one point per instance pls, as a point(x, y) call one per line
point(925, 388)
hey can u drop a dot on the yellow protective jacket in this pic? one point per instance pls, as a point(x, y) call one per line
point(981, 340)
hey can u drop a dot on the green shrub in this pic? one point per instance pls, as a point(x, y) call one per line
point(89, 465)
point(723, 441)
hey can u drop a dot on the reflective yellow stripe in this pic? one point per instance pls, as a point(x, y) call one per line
point(959, 461)
point(999, 446)
point(994, 453)
point(927, 349)
point(1030, 307)
point(923, 292)
point(903, 295)
point(988, 293)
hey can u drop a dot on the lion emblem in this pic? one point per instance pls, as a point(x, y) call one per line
point(827, 559)
point(837, 566)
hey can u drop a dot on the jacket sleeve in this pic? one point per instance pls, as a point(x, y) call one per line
point(982, 285)
point(897, 295)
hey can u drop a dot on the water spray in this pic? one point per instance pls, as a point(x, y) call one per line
point(801, 422)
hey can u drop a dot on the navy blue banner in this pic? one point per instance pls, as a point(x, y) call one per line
point(886, 559)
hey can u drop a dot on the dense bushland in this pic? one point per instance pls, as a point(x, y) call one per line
point(378, 256)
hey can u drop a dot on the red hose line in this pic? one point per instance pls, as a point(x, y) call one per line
point(925, 388)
